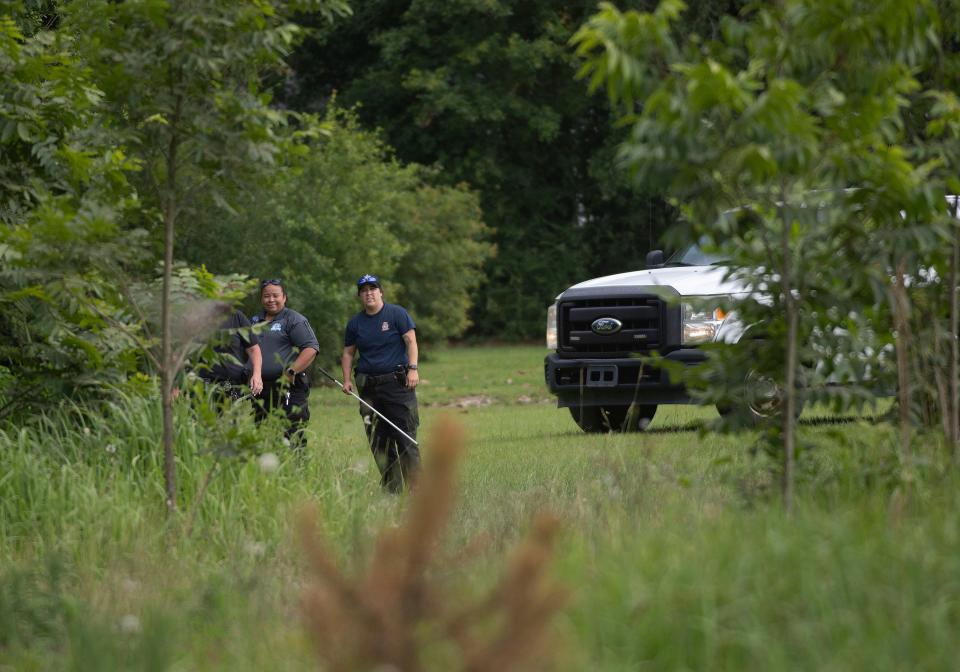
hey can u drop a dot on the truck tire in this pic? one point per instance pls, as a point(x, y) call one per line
point(763, 404)
point(613, 418)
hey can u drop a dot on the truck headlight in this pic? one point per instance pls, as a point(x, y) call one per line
point(701, 324)
point(552, 327)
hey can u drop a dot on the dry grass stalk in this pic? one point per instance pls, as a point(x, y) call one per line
point(398, 614)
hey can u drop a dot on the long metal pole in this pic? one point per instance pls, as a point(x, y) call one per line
point(381, 415)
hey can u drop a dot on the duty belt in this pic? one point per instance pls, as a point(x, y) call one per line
point(379, 380)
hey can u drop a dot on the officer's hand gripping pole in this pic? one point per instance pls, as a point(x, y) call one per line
point(381, 415)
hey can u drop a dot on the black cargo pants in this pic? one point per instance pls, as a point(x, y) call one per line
point(397, 458)
point(296, 407)
point(225, 390)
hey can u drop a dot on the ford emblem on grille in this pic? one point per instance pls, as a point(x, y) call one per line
point(606, 325)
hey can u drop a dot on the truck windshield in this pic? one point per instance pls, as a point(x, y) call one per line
point(692, 255)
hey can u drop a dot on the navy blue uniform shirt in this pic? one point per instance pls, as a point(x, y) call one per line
point(379, 338)
point(232, 363)
point(282, 339)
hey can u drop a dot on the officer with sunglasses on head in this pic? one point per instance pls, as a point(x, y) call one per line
point(288, 345)
point(387, 375)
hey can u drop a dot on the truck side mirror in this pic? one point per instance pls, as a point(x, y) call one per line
point(654, 258)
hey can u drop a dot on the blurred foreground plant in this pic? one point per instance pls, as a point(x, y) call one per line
point(399, 615)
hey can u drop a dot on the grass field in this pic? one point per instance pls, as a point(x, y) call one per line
point(674, 551)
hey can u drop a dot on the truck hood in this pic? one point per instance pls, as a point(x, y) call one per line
point(685, 280)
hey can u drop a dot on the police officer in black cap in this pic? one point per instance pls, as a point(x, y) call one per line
point(289, 346)
point(387, 377)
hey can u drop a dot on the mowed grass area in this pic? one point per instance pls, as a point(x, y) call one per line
point(675, 551)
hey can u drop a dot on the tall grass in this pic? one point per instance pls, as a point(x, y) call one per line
point(673, 548)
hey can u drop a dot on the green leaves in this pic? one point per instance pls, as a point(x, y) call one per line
point(622, 49)
point(65, 193)
point(484, 93)
point(804, 114)
point(709, 85)
point(352, 209)
point(121, 112)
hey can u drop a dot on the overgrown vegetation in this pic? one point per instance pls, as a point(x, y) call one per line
point(672, 548)
point(344, 208)
point(813, 143)
point(809, 143)
point(399, 614)
point(483, 92)
point(128, 125)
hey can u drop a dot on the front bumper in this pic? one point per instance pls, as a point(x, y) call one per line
point(596, 382)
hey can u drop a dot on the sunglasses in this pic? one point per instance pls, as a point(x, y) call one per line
point(272, 281)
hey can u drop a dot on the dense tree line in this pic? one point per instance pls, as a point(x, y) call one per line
point(486, 93)
point(146, 170)
point(815, 145)
point(343, 208)
point(154, 151)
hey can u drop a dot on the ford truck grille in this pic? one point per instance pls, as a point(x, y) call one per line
point(641, 321)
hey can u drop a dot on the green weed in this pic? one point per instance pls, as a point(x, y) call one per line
point(674, 550)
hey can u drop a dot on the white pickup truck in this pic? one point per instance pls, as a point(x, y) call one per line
point(599, 331)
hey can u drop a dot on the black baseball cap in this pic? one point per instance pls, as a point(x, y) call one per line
point(367, 279)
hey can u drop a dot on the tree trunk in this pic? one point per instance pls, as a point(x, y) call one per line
point(167, 372)
point(900, 310)
point(790, 365)
point(953, 432)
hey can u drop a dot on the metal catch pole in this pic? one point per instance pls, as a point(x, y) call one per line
point(381, 415)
